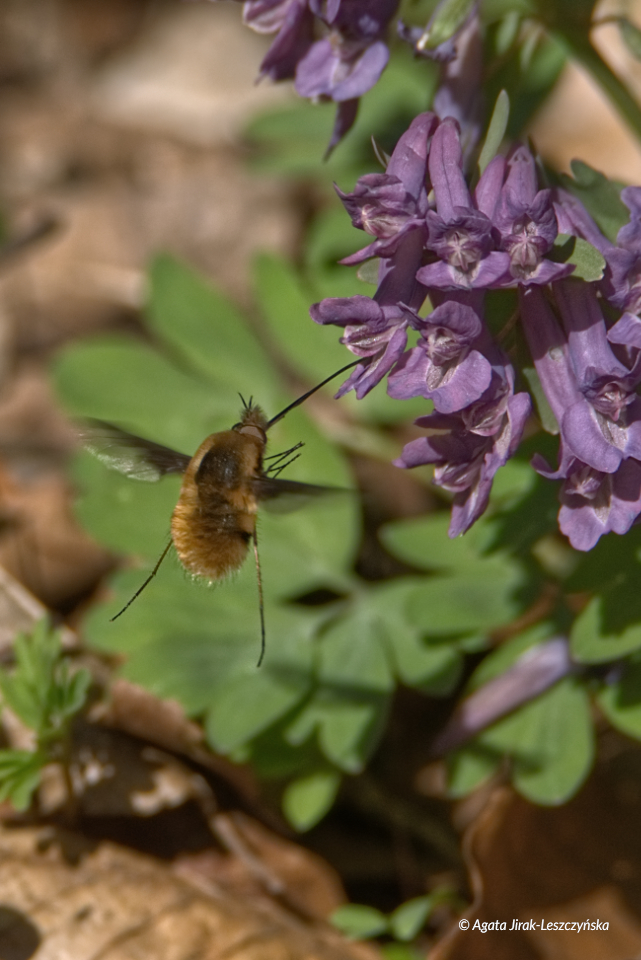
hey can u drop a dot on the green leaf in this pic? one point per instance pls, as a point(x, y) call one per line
point(433, 669)
point(449, 16)
point(550, 741)
point(265, 694)
point(588, 262)
point(28, 689)
point(73, 690)
point(42, 690)
point(476, 601)
point(480, 593)
point(400, 951)
point(600, 196)
point(307, 799)
point(594, 640)
point(208, 331)
point(358, 921)
point(469, 767)
point(125, 382)
point(528, 70)
point(424, 543)
point(620, 700)
point(514, 481)
point(20, 772)
point(506, 654)
point(496, 130)
point(368, 271)
point(185, 640)
point(291, 142)
point(349, 707)
point(123, 514)
point(507, 32)
point(285, 303)
point(409, 919)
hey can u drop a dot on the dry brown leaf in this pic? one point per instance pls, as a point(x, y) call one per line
point(41, 543)
point(580, 861)
point(119, 905)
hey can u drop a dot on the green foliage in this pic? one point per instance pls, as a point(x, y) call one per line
point(523, 60)
point(496, 130)
point(360, 922)
point(291, 141)
point(317, 708)
point(600, 196)
point(549, 741)
point(319, 703)
point(45, 695)
point(587, 261)
point(307, 799)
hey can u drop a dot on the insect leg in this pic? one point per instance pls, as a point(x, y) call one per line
point(148, 580)
point(285, 453)
point(278, 466)
point(276, 471)
point(261, 605)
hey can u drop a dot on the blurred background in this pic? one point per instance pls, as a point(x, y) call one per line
point(129, 128)
point(122, 134)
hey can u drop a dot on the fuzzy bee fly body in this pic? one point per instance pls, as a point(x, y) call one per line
point(214, 520)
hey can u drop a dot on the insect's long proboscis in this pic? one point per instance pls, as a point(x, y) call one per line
point(296, 403)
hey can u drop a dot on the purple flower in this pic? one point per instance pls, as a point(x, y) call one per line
point(444, 367)
point(593, 399)
point(626, 335)
point(381, 206)
point(371, 331)
point(461, 236)
point(391, 205)
point(526, 220)
point(623, 284)
point(572, 218)
point(474, 443)
point(350, 59)
point(376, 329)
point(594, 503)
point(606, 428)
point(293, 22)
point(459, 92)
point(342, 65)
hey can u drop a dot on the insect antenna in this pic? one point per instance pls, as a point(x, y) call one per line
point(261, 605)
point(148, 580)
point(279, 416)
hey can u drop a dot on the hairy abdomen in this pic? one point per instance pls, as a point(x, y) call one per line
point(215, 518)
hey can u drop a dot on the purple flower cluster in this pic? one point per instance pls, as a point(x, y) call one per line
point(332, 49)
point(436, 238)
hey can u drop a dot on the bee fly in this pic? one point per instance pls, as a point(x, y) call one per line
point(214, 521)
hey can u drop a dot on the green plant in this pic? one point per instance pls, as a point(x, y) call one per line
point(318, 707)
point(361, 922)
point(45, 694)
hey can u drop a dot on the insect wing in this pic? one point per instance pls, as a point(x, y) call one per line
point(284, 496)
point(134, 456)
